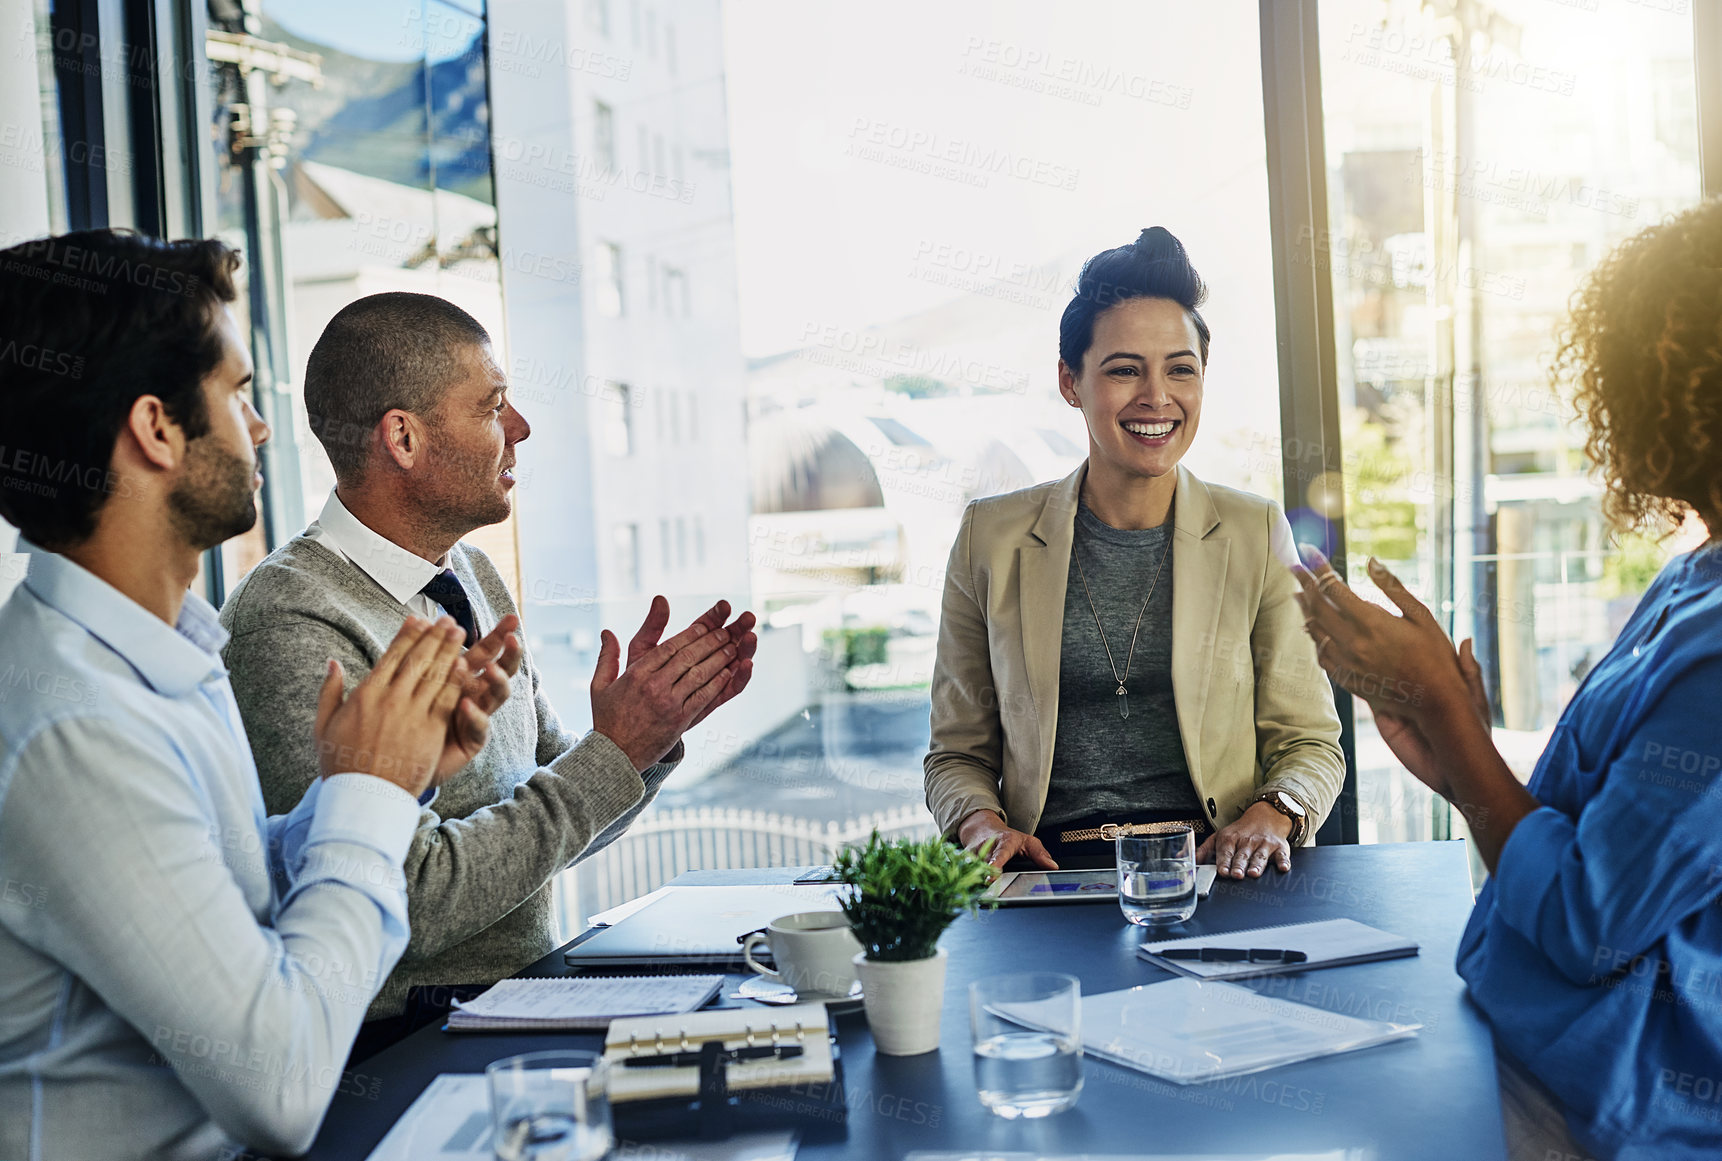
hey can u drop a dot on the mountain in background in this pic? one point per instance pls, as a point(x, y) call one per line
point(371, 117)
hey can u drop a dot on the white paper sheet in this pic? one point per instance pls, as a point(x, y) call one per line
point(451, 1122)
point(1191, 1031)
point(580, 1001)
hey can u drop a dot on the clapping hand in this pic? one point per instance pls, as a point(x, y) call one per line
point(395, 723)
point(483, 672)
point(669, 687)
point(1404, 666)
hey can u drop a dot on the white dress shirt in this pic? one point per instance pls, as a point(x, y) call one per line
point(401, 574)
point(177, 972)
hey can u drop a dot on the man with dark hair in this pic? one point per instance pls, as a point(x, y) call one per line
point(167, 953)
point(382, 353)
point(406, 396)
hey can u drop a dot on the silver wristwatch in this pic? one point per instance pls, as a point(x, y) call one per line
point(1283, 802)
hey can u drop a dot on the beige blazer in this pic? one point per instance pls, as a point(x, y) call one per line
point(1254, 708)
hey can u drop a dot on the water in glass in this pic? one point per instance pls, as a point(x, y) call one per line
point(1157, 877)
point(1027, 1074)
point(551, 1137)
point(1028, 1042)
point(550, 1106)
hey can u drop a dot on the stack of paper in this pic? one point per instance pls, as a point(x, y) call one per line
point(1187, 1031)
point(579, 1002)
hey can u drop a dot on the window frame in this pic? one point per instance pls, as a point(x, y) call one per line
point(1303, 308)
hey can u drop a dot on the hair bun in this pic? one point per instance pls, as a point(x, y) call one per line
point(1155, 265)
point(1158, 244)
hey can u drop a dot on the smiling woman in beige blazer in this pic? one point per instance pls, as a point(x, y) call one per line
point(1206, 706)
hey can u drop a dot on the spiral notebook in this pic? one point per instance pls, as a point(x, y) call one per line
point(1328, 943)
point(805, 1028)
point(580, 1002)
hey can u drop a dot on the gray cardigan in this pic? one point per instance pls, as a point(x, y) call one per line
point(534, 800)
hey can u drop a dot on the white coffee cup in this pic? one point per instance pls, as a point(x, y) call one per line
point(814, 951)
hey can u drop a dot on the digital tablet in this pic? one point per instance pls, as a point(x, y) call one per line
point(1014, 887)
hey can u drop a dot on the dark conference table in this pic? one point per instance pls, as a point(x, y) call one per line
point(1432, 1096)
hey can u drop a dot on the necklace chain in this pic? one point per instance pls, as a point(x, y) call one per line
point(1101, 629)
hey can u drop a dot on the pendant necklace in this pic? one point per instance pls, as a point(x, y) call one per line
point(1123, 692)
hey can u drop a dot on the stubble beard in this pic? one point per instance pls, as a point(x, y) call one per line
point(214, 501)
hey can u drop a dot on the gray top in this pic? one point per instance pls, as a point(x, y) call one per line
point(1100, 761)
point(487, 846)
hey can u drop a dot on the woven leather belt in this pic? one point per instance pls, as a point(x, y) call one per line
point(1112, 830)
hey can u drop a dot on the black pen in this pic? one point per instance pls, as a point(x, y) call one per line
point(1234, 954)
point(728, 1055)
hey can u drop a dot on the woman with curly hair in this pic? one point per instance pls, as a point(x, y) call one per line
point(1595, 949)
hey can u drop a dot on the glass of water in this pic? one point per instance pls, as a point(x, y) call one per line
point(1028, 1042)
point(1157, 877)
point(550, 1106)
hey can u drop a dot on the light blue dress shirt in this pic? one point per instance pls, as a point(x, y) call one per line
point(177, 972)
point(1596, 948)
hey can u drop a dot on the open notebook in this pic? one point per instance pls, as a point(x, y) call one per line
point(579, 1002)
point(1328, 943)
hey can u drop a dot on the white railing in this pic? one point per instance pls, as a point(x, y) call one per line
point(663, 843)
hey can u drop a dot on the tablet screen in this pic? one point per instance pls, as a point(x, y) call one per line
point(1053, 884)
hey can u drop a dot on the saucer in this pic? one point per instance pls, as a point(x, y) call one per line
point(771, 992)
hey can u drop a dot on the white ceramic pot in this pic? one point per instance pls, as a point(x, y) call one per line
point(903, 1002)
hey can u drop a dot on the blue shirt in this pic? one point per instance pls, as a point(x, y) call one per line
point(1596, 948)
point(177, 971)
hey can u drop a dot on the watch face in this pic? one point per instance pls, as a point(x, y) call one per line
point(1289, 803)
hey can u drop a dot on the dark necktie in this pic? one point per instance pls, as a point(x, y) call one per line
point(446, 590)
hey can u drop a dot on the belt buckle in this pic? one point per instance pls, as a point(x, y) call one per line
point(1110, 831)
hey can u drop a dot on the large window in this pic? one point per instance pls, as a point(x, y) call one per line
point(880, 263)
point(1481, 158)
point(354, 154)
point(841, 312)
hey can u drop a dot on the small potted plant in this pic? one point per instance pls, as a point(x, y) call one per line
point(905, 894)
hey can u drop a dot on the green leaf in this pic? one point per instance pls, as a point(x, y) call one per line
point(907, 892)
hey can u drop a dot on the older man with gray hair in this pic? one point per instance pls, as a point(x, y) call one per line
point(404, 392)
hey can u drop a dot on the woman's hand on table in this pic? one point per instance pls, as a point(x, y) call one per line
point(984, 826)
point(1244, 848)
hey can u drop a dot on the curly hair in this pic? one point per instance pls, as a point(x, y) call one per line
point(1643, 350)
